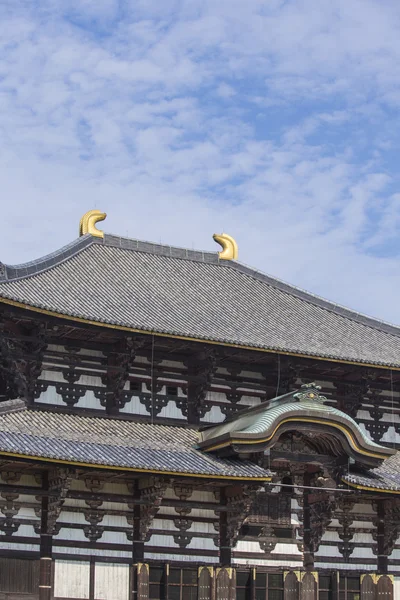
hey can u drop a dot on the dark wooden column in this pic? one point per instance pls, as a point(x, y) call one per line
point(137, 543)
point(225, 550)
point(381, 534)
point(46, 544)
point(308, 554)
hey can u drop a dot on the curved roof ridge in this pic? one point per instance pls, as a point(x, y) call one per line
point(13, 272)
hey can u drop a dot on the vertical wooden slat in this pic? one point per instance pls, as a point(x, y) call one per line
point(46, 545)
point(137, 543)
point(380, 536)
point(225, 551)
point(92, 578)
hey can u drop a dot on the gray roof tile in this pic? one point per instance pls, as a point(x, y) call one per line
point(113, 443)
point(384, 477)
point(192, 294)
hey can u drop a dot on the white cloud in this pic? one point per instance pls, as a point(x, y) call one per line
point(274, 121)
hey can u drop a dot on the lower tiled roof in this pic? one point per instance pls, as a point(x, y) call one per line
point(385, 477)
point(113, 443)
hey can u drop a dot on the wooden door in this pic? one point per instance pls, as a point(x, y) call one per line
point(368, 588)
point(143, 581)
point(291, 586)
point(309, 588)
point(223, 585)
point(384, 588)
point(205, 584)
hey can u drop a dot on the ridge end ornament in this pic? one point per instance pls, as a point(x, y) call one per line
point(87, 224)
point(229, 246)
point(310, 392)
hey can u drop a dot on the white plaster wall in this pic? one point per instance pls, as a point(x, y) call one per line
point(134, 407)
point(171, 411)
point(213, 416)
point(396, 588)
point(111, 581)
point(71, 579)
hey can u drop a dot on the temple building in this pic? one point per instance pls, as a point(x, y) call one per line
point(175, 425)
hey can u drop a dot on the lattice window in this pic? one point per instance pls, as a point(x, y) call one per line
point(243, 582)
point(157, 583)
point(276, 507)
point(269, 586)
point(349, 587)
point(182, 584)
point(325, 584)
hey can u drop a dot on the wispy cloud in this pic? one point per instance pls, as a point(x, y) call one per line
point(275, 121)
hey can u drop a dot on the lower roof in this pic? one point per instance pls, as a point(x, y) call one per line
point(112, 444)
point(384, 478)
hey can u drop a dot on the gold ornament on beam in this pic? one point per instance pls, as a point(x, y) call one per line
point(88, 223)
point(229, 246)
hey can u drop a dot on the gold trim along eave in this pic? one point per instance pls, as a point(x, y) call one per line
point(366, 488)
point(348, 434)
point(186, 338)
point(60, 461)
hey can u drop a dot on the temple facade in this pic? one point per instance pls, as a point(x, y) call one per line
point(177, 426)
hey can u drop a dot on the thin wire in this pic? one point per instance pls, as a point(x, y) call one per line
point(152, 379)
point(307, 487)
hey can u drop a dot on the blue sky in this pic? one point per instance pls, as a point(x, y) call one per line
point(276, 121)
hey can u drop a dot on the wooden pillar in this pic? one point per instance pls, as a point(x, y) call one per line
point(308, 554)
point(225, 550)
point(336, 585)
point(381, 535)
point(46, 544)
point(137, 544)
point(92, 578)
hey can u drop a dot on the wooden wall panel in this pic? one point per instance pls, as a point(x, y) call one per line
point(19, 575)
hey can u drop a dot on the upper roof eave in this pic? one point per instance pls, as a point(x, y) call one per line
point(26, 271)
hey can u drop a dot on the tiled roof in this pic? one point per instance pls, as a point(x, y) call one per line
point(385, 477)
point(179, 292)
point(112, 443)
